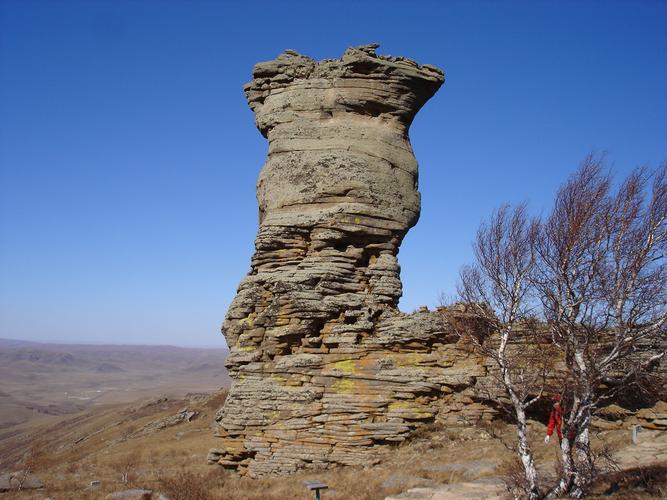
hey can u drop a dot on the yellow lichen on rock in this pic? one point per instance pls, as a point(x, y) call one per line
point(346, 366)
point(343, 386)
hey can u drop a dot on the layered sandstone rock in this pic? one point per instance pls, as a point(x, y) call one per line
point(325, 369)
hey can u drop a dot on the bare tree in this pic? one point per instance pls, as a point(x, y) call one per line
point(596, 267)
point(497, 289)
point(601, 278)
point(126, 465)
point(33, 460)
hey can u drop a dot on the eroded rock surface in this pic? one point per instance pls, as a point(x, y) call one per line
point(326, 370)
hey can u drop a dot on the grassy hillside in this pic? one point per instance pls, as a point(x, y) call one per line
point(161, 444)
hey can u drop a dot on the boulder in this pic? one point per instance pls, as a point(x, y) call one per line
point(19, 481)
point(133, 494)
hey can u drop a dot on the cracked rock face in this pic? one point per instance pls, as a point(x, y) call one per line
point(326, 370)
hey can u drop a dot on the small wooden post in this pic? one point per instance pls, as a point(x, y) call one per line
point(317, 486)
point(635, 431)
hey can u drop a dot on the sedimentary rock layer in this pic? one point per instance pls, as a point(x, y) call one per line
point(325, 369)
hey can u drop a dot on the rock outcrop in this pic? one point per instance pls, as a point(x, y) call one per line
point(19, 481)
point(325, 369)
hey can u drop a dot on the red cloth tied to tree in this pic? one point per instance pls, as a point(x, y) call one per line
point(556, 421)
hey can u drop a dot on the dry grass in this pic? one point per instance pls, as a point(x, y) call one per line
point(127, 465)
point(512, 472)
point(636, 483)
point(98, 446)
point(177, 467)
point(186, 485)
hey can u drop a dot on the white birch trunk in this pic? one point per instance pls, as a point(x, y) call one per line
point(526, 455)
point(567, 476)
point(524, 450)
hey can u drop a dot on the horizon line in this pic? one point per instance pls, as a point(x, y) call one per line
point(127, 344)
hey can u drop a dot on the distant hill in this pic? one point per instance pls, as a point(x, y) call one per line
point(14, 343)
point(41, 380)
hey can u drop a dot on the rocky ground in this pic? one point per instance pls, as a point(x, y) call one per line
point(481, 479)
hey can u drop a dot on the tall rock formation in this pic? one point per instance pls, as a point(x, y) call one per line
point(325, 369)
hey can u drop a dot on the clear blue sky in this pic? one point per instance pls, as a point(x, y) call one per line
point(128, 155)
